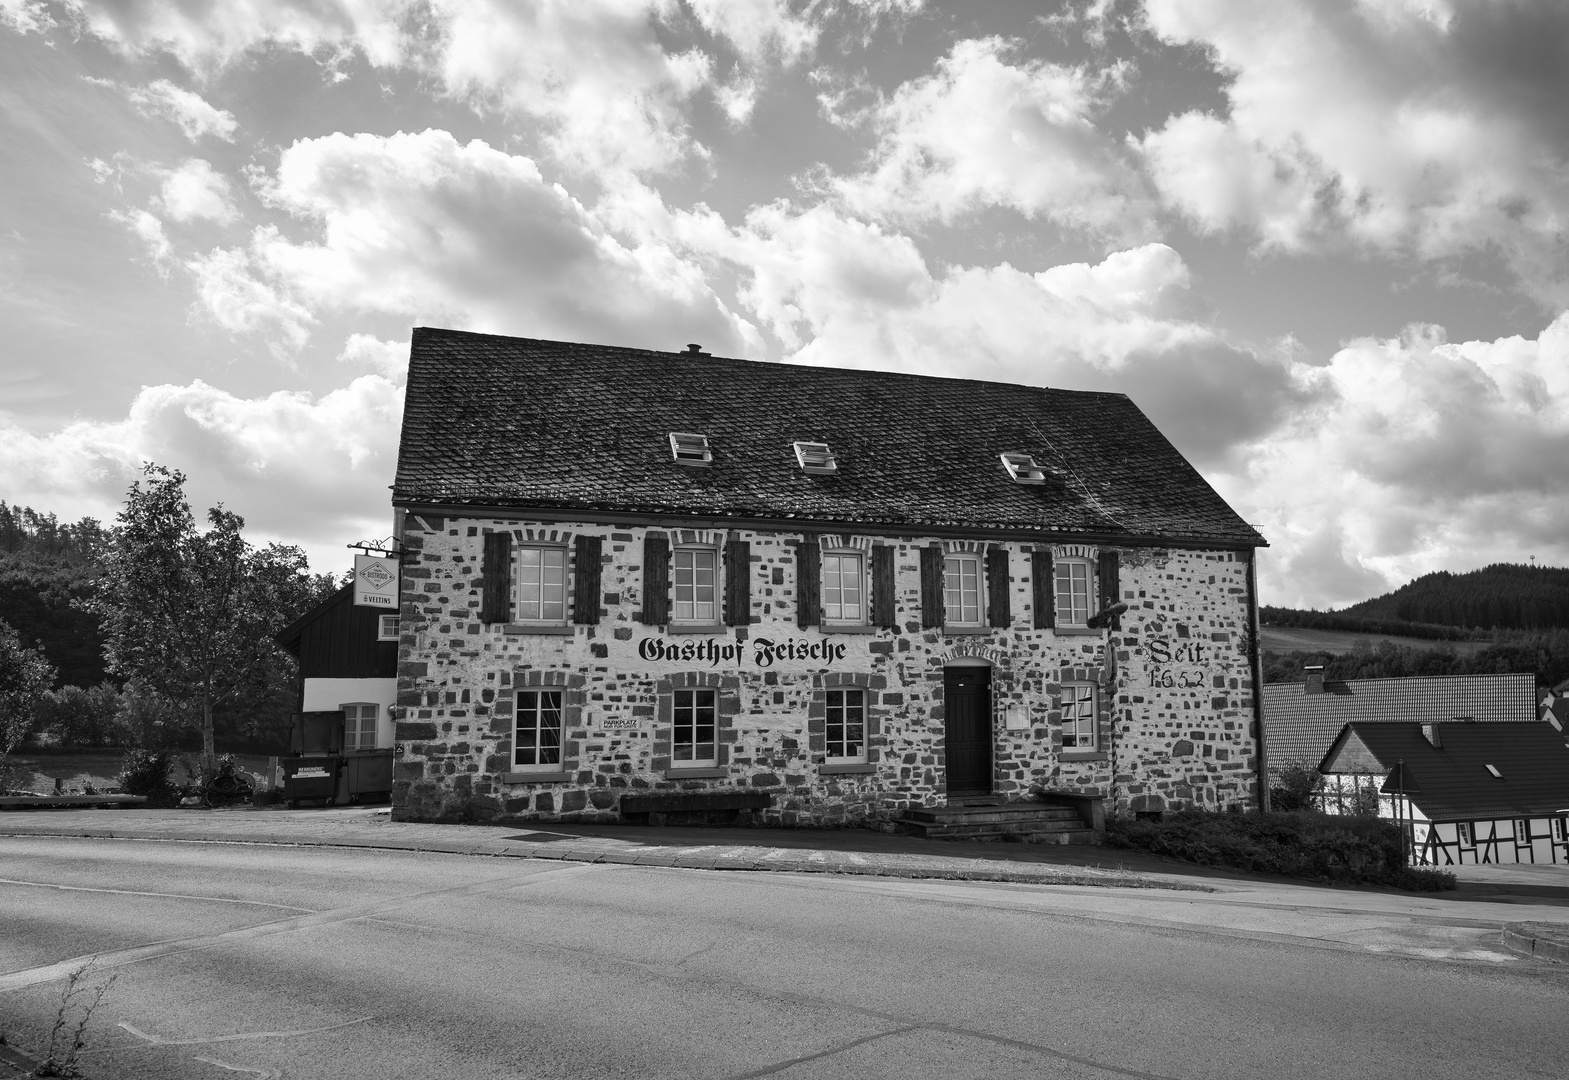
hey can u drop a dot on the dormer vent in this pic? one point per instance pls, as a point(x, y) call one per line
point(1492, 770)
point(816, 458)
point(1430, 733)
point(1022, 469)
point(690, 449)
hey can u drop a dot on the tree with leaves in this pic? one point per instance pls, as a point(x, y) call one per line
point(25, 677)
point(191, 614)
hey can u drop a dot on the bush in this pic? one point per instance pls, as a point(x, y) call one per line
point(146, 772)
point(1293, 786)
point(1307, 845)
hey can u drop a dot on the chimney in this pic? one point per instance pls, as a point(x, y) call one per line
point(696, 350)
point(1315, 679)
point(1430, 733)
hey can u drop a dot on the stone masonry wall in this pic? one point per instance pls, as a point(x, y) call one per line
point(1175, 697)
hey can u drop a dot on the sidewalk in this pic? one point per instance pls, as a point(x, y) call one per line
point(1468, 924)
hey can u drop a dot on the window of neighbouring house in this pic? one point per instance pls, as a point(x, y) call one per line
point(1522, 831)
point(694, 740)
point(387, 628)
point(1463, 831)
point(359, 725)
point(845, 726)
point(962, 590)
point(844, 587)
point(1560, 833)
point(542, 585)
point(1078, 716)
point(1073, 591)
point(536, 730)
point(696, 585)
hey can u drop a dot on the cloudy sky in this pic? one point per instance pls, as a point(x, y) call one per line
point(1321, 242)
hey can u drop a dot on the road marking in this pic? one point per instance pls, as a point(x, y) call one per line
point(154, 895)
point(18, 980)
point(266, 1074)
point(244, 1036)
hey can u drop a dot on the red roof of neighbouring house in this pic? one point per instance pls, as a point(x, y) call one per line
point(514, 422)
point(1451, 781)
point(1299, 727)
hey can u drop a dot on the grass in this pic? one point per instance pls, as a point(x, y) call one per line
point(1301, 639)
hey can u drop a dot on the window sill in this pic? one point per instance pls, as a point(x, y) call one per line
point(705, 772)
point(846, 768)
point(1075, 631)
point(539, 628)
point(541, 777)
point(966, 631)
point(848, 628)
point(694, 628)
point(1082, 755)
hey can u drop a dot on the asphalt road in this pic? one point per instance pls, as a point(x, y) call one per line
point(316, 962)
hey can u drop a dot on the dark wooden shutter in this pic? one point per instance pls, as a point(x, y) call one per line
point(1042, 586)
point(738, 582)
point(585, 579)
point(495, 600)
point(998, 611)
point(885, 600)
point(931, 587)
point(808, 582)
point(1110, 585)
point(656, 581)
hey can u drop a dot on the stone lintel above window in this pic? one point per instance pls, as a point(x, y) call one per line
point(539, 628)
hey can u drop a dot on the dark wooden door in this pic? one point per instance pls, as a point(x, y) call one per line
point(967, 725)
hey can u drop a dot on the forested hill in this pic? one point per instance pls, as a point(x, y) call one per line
point(45, 564)
point(1504, 596)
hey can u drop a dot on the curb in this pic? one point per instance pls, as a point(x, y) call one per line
point(1538, 941)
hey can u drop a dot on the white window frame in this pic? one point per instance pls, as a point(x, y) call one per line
point(383, 633)
point(694, 615)
point(1080, 717)
point(844, 724)
point(531, 703)
point(857, 575)
point(956, 614)
point(537, 617)
point(357, 715)
point(1522, 830)
point(1560, 830)
point(1072, 617)
point(1465, 836)
point(686, 708)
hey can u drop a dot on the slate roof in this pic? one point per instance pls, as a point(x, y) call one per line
point(496, 422)
point(1300, 727)
point(1450, 782)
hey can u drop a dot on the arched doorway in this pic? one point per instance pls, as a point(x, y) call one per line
point(967, 727)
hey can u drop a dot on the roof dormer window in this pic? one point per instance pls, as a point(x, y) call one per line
point(815, 457)
point(1022, 469)
point(690, 449)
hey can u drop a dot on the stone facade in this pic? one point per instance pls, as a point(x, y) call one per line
point(1173, 687)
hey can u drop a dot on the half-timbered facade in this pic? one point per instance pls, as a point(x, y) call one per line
point(1470, 792)
point(668, 586)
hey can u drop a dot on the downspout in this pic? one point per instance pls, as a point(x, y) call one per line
point(1257, 666)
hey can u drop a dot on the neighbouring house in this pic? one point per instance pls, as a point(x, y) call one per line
point(1469, 792)
point(656, 586)
point(1302, 720)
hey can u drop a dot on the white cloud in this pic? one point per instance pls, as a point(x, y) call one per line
point(242, 302)
point(189, 110)
point(298, 468)
point(389, 359)
point(149, 230)
point(1423, 455)
point(757, 27)
point(25, 16)
point(195, 192)
point(983, 131)
point(421, 226)
point(1404, 128)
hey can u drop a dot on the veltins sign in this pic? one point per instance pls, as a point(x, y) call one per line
point(375, 582)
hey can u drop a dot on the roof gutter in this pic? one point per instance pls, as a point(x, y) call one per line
point(664, 520)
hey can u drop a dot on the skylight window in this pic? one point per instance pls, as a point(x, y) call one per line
point(815, 457)
point(1493, 770)
point(690, 449)
point(1022, 469)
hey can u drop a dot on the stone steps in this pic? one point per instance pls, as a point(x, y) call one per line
point(1032, 823)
